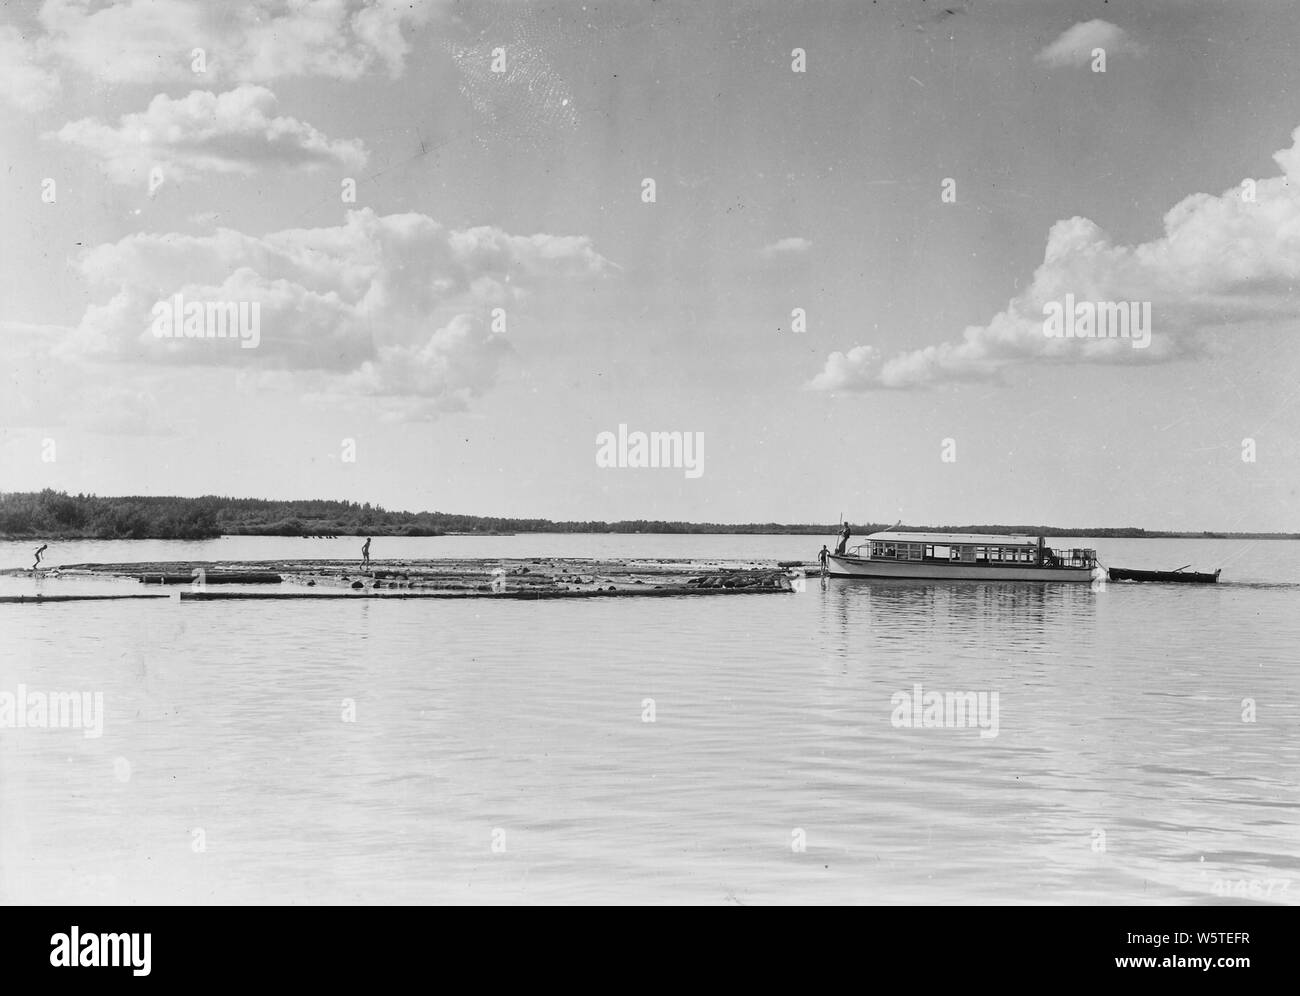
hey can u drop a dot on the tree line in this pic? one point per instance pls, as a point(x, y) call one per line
point(56, 514)
point(53, 514)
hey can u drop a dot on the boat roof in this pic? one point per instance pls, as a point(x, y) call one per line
point(979, 539)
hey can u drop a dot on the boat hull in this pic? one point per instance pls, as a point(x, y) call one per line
point(857, 567)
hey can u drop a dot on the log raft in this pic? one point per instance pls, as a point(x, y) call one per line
point(528, 579)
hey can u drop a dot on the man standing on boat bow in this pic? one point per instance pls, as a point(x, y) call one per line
point(844, 540)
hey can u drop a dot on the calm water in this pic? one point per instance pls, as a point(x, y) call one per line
point(1122, 769)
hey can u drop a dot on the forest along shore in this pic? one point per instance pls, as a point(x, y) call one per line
point(495, 577)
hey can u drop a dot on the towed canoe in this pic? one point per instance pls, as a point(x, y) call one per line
point(1179, 576)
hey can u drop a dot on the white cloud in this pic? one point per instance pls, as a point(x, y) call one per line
point(1224, 262)
point(392, 307)
point(129, 40)
point(380, 26)
point(1075, 45)
point(847, 370)
point(232, 132)
point(257, 41)
point(455, 364)
point(26, 80)
point(792, 245)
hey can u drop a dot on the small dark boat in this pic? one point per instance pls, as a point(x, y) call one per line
point(1180, 576)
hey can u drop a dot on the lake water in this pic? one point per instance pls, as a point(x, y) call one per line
point(1147, 745)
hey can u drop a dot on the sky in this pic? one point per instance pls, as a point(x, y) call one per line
point(838, 281)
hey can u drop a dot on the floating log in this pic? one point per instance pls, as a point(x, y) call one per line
point(37, 599)
point(215, 577)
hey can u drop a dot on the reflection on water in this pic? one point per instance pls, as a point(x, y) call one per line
point(1122, 769)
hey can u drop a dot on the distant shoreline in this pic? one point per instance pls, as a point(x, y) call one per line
point(706, 529)
point(56, 515)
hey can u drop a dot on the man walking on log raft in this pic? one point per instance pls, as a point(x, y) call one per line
point(365, 553)
point(40, 550)
point(823, 557)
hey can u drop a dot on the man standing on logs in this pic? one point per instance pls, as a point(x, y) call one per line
point(365, 553)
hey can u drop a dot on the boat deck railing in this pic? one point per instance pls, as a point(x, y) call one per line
point(1076, 557)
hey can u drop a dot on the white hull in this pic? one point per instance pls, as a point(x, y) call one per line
point(856, 567)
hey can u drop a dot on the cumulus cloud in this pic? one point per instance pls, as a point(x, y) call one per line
point(233, 132)
point(847, 370)
point(443, 373)
point(26, 80)
point(257, 41)
point(380, 26)
point(392, 307)
point(1225, 261)
point(789, 246)
point(1075, 45)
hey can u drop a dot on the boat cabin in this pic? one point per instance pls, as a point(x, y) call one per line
point(970, 548)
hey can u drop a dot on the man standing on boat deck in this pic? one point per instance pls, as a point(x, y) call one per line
point(365, 553)
point(844, 540)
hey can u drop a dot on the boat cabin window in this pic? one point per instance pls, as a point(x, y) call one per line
point(966, 553)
